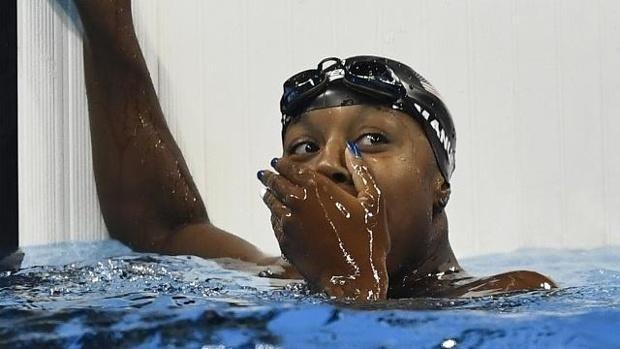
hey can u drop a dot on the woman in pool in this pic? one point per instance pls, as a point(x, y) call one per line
point(357, 199)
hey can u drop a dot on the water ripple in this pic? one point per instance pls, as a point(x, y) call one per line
point(117, 298)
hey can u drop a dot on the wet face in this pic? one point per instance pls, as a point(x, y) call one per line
point(397, 153)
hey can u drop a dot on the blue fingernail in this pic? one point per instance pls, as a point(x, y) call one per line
point(354, 149)
point(260, 174)
point(274, 161)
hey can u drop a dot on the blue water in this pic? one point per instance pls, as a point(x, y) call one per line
point(103, 295)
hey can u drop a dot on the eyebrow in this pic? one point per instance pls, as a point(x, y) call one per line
point(369, 114)
point(300, 122)
point(364, 115)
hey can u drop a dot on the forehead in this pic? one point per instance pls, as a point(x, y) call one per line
point(347, 118)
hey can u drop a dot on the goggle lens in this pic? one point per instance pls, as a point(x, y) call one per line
point(369, 77)
point(375, 78)
point(300, 86)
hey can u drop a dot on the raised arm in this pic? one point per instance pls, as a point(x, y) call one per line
point(146, 193)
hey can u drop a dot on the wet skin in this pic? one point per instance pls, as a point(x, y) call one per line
point(149, 200)
point(406, 188)
point(348, 228)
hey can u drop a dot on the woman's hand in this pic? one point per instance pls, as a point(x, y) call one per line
point(337, 241)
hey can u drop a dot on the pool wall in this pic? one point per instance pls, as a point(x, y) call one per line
point(534, 87)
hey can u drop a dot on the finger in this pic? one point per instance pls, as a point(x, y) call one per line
point(363, 180)
point(287, 192)
point(274, 204)
point(279, 212)
point(278, 228)
point(299, 175)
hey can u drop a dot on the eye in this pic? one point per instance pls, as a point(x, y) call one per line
point(302, 148)
point(372, 139)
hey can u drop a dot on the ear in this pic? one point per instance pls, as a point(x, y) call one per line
point(441, 193)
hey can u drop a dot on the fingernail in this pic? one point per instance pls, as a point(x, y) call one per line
point(274, 161)
point(354, 149)
point(260, 174)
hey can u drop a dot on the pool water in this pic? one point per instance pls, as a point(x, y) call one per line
point(104, 295)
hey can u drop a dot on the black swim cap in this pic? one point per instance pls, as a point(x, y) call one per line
point(376, 81)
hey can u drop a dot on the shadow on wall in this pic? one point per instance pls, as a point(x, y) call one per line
point(66, 10)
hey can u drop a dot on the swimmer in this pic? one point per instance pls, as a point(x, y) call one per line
point(357, 198)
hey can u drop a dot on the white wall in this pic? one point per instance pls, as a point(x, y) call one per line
point(534, 87)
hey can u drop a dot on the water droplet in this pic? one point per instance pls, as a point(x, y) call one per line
point(343, 210)
point(448, 343)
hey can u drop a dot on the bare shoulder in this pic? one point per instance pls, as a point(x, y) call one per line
point(522, 280)
point(512, 281)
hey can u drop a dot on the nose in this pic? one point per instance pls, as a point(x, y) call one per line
point(331, 163)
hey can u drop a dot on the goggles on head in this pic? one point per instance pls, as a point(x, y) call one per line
point(373, 80)
point(366, 76)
